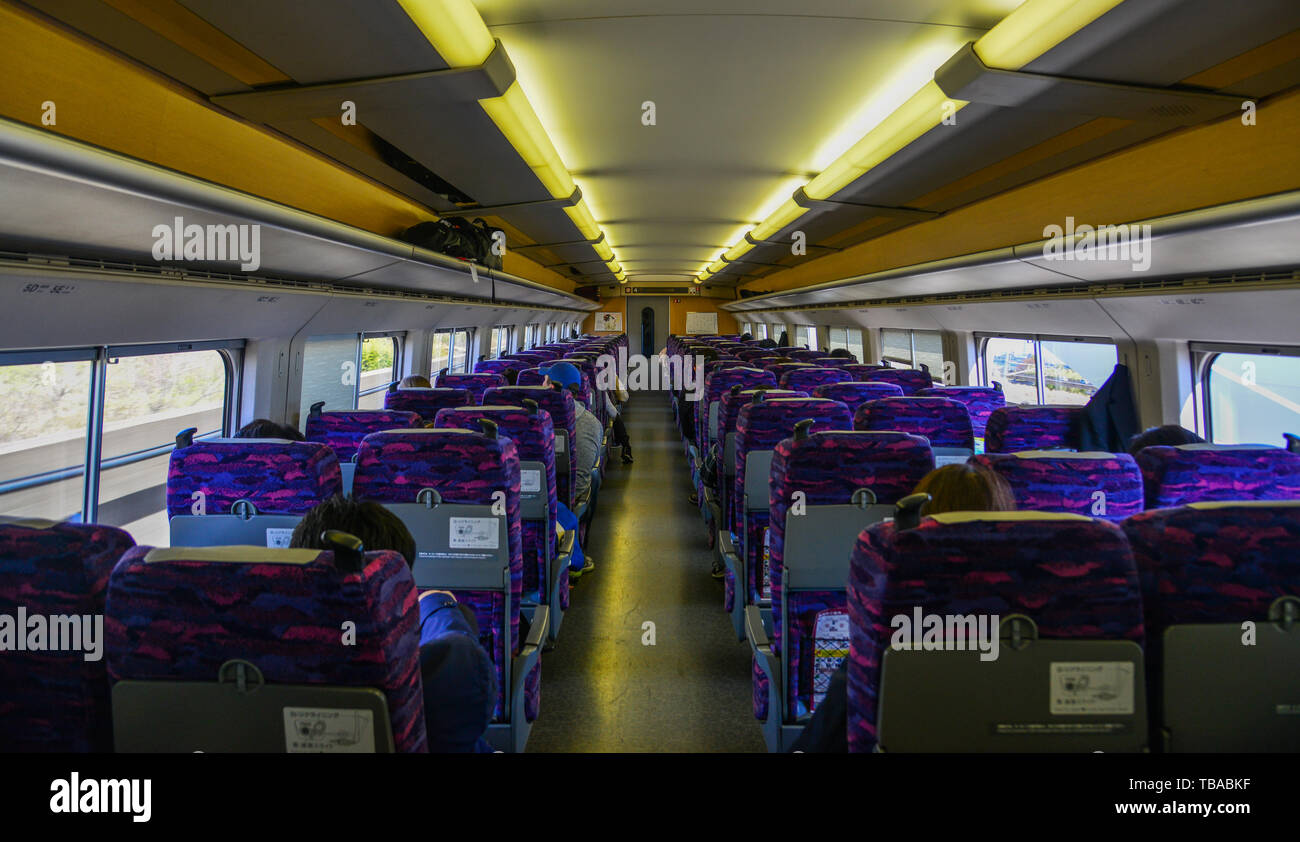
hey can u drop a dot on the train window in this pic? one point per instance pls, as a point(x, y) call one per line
point(914, 348)
point(805, 336)
point(759, 330)
point(500, 342)
point(329, 372)
point(1251, 398)
point(1035, 370)
point(147, 399)
point(849, 338)
point(460, 341)
point(116, 411)
point(44, 419)
point(379, 364)
point(440, 358)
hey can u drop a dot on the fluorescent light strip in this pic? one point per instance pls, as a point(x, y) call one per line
point(457, 32)
point(1032, 29)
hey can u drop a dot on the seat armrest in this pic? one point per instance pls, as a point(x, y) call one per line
point(536, 632)
point(566, 543)
point(726, 545)
point(756, 632)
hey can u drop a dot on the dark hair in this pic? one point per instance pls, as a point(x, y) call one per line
point(767, 343)
point(747, 337)
point(415, 381)
point(841, 352)
point(1169, 434)
point(784, 341)
point(511, 375)
point(264, 428)
point(965, 488)
point(377, 527)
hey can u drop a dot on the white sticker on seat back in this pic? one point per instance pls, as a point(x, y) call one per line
point(530, 481)
point(473, 533)
point(329, 731)
point(1090, 687)
point(278, 538)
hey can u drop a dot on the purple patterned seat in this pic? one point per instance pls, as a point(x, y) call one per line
point(717, 384)
point(854, 393)
point(499, 366)
point(343, 430)
point(980, 402)
point(55, 701)
point(559, 405)
point(807, 379)
point(1192, 473)
point(425, 402)
point(1013, 428)
point(835, 362)
point(534, 435)
point(529, 357)
point(806, 355)
point(535, 377)
point(463, 467)
point(179, 614)
point(477, 384)
point(910, 380)
point(779, 370)
point(728, 412)
point(1106, 485)
point(761, 425)
point(751, 354)
point(827, 468)
point(1073, 576)
point(276, 476)
point(859, 371)
point(945, 423)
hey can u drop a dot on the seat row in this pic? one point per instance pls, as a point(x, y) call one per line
point(229, 607)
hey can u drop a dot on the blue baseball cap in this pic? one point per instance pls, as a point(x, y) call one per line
point(566, 374)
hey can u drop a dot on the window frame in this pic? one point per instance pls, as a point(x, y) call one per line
point(231, 353)
point(981, 354)
point(398, 340)
point(1203, 355)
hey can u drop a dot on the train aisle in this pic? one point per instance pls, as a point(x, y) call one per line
point(602, 688)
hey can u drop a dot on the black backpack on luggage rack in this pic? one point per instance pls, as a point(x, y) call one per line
point(456, 237)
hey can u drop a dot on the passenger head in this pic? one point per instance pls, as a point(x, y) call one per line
point(563, 376)
point(767, 343)
point(784, 341)
point(415, 381)
point(377, 527)
point(511, 375)
point(747, 337)
point(841, 353)
point(1169, 434)
point(965, 488)
point(263, 428)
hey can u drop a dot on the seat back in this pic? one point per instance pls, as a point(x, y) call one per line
point(859, 371)
point(1093, 484)
point(807, 355)
point(1193, 473)
point(1013, 428)
point(910, 380)
point(717, 384)
point(56, 699)
point(343, 430)
point(176, 616)
point(464, 469)
point(854, 393)
point(476, 384)
point(426, 402)
point(779, 370)
point(1073, 577)
point(828, 469)
point(806, 379)
point(945, 423)
point(533, 433)
point(499, 366)
point(980, 402)
point(1208, 570)
point(560, 406)
point(760, 427)
point(274, 481)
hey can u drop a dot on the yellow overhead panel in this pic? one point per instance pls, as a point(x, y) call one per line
point(454, 28)
point(606, 253)
point(780, 218)
point(1035, 27)
point(738, 250)
point(582, 218)
point(518, 122)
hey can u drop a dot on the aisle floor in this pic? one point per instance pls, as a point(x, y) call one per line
point(603, 689)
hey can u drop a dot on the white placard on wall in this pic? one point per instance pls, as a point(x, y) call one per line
point(611, 322)
point(704, 323)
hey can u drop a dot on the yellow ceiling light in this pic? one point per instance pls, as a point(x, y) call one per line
point(780, 218)
point(717, 266)
point(454, 28)
point(698, 280)
point(581, 216)
point(606, 253)
point(518, 122)
point(738, 250)
point(1034, 28)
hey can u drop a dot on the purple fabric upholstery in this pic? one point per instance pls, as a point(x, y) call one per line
point(561, 408)
point(1013, 428)
point(426, 402)
point(1106, 485)
point(55, 701)
point(980, 402)
point(181, 617)
point(910, 380)
point(276, 476)
point(807, 379)
point(1174, 476)
point(854, 393)
point(477, 384)
point(945, 423)
point(343, 430)
point(1074, 577)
